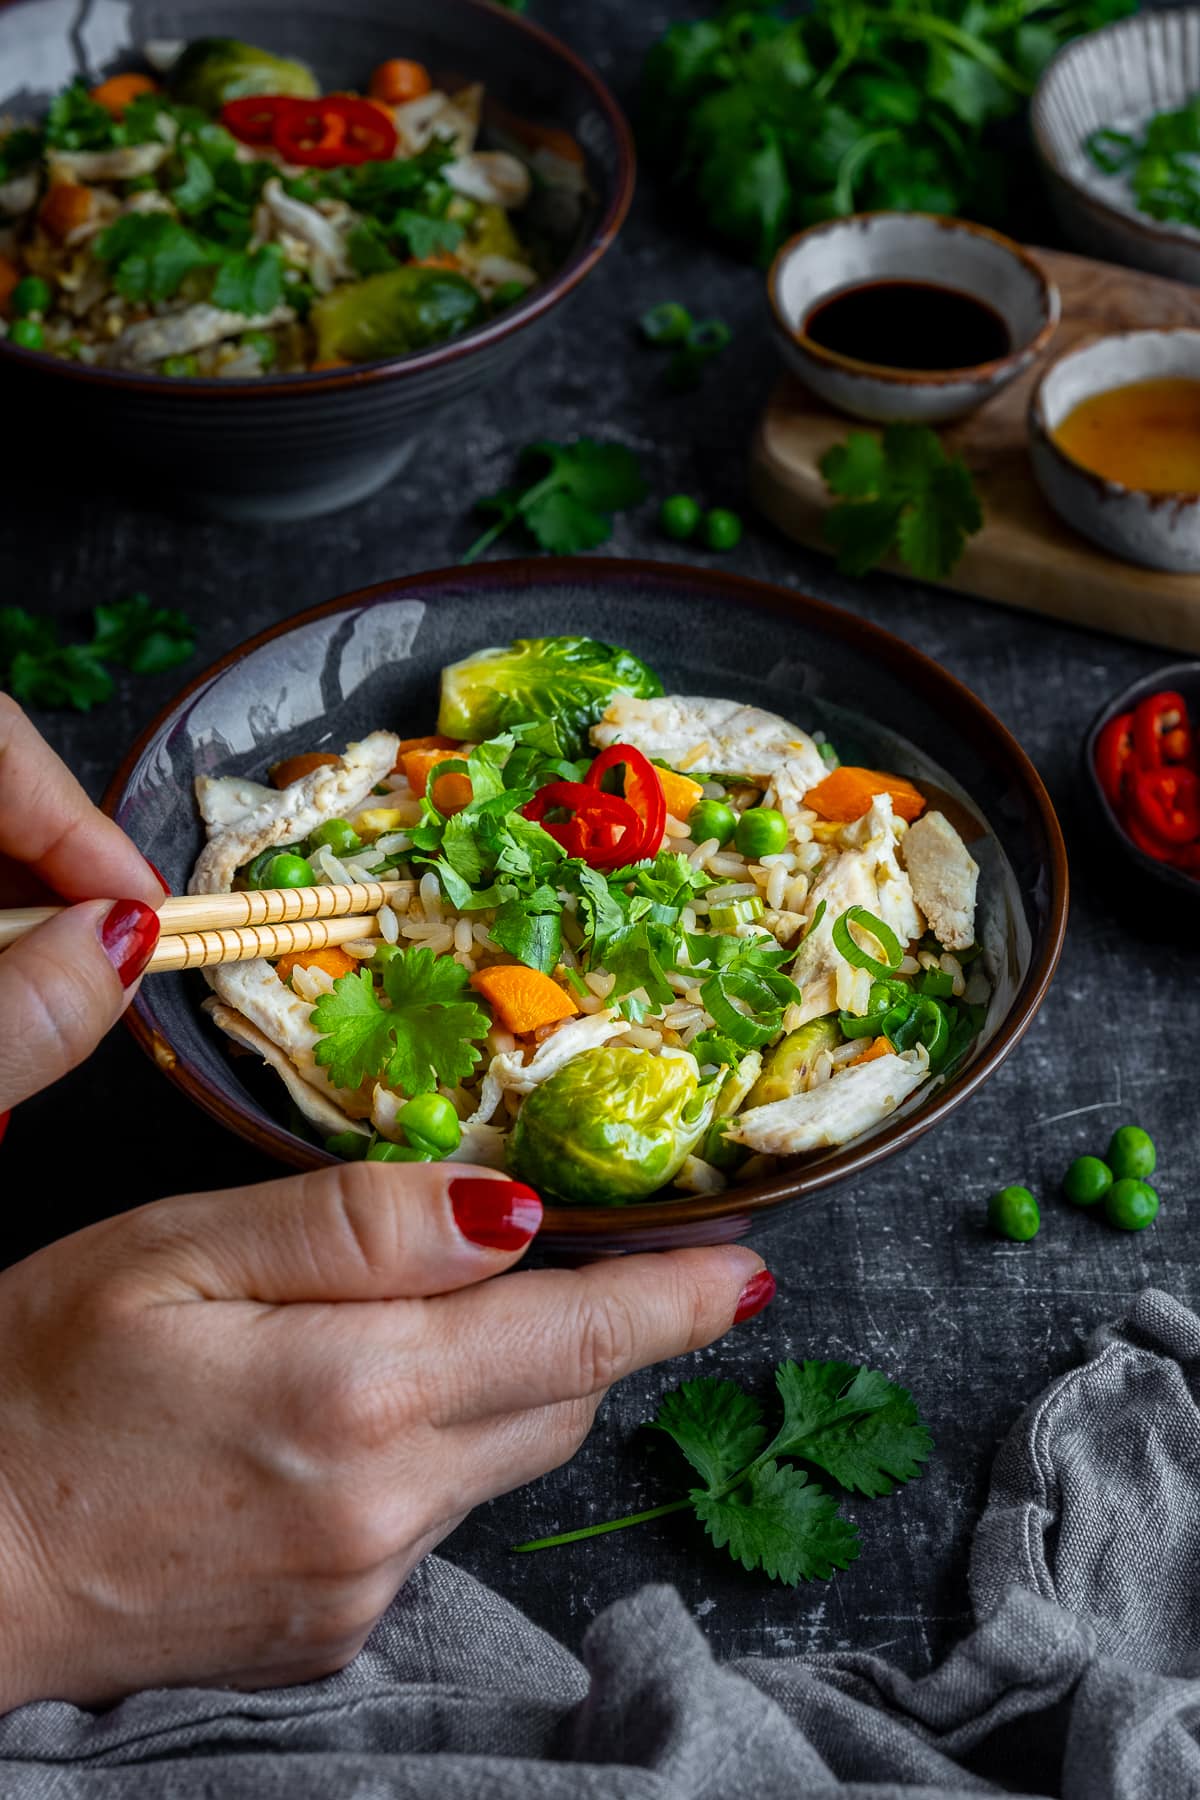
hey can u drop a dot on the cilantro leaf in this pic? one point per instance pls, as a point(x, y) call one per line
point(421, 1040)
point(18, 149)
point(718, 1427)
point(781, 1523)
point(251, 282)
point(858, 1426)
point(150, 254)
point(426, 236)
point(904, 494)
point(367, 249)
point(71, 676)
point(570, 494)
point(534, 938)
point(141, 636)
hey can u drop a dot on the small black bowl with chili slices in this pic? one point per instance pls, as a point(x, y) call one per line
point(1142, 757)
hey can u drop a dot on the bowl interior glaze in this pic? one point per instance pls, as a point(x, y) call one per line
point(373, 659)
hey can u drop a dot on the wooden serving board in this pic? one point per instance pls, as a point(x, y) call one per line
point(1024, 556)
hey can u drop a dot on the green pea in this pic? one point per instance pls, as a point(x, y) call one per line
point(667, 323)
point(340, 836)
point(384, 1152)
point(1013, 1213)
point(431, 1123)
point(179, 366)
point(286, 870)
point(27, 333)
point(679, 516)
point(712, 819)
point(1130, 1205)
point(32, 295)
point(1087, 1180)
point(263, 346)
point(722, 529)
point(1131, 1152)
point(351, 1146)
point(761, 832)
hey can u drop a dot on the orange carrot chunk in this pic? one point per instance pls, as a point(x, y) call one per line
point(398, 80)
point(418, 763)
point(115, 94)
point(422, 743)
point(523, 999)
point(66, 207)
point(451, 792)
point(847, 793)
point(680, 792)
point(333, 960)
point(295, 768)
point(881, 1047)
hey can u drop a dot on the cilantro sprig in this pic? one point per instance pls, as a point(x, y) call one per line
point(853, 1424)
point(421, 1032)
point(568, 498)
point(901, 492)
point(39, 670)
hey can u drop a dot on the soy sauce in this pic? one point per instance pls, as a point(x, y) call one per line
point(909, 325)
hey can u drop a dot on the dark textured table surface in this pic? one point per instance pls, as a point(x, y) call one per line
point(898, 1269)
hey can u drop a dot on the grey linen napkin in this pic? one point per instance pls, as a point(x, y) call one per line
point(1082, 1677)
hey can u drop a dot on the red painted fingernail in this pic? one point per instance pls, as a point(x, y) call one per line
point(500, 1215)
point(128, 936)
point(758, 1292)
point(162, 880)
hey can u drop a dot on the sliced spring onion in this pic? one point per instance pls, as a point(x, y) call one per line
point(718, 995)
point(814, 921)
point(735, 912)
point(935, 983)
point(854, 954)
point(868, 1025)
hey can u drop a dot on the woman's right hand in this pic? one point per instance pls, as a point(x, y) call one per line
point(231, 1424)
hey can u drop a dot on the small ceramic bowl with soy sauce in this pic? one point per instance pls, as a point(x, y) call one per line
point(1114, 437)
point(908, 316)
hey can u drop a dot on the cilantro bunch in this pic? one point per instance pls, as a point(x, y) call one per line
point(77, 122)
point(39, 670)
point(416, 1032)
point(852, 1424)
point(405, 207)
point(1162, 162)
point(901, 492)
point(766, 119)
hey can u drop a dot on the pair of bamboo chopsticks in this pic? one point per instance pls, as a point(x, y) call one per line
point(200, 930)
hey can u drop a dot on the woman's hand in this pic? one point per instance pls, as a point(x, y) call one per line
point(230, 1424)
point(63, 986)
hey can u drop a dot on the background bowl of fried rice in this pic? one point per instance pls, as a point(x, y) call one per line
point(373, 659)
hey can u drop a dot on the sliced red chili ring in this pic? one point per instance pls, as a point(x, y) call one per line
point(1114, 756)
point(604, 830)
point(338, 129)
point(643, 790)
point(252, 119)
point(1166, 801)
point(1161, 729)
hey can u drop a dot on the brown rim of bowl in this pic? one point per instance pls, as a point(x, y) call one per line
point(542, 298)
point(925, 675)
point(852, 365)
point(1039, 429)
point(1132, 221)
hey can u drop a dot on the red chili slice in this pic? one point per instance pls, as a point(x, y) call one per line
point(1166, 801)
point(1161, 730)
point(1114, 757)
point(643, 790)
point(341, 128)
point(604, 831)
point(252, 120)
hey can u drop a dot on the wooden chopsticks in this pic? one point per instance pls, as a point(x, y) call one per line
point(199, 930)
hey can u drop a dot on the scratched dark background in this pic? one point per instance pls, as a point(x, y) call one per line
point(897, 1269)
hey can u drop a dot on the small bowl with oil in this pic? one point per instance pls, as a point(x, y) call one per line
point(1114, 434)
point(908, 316)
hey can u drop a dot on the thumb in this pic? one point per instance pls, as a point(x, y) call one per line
point(63, 985)
point(360, 1231)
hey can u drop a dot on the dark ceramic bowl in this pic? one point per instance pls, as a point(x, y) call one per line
point(374, 658)
point(1182, 678)
point(293, 446)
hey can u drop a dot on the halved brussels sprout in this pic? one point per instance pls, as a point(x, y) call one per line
point(215, 70)
point(613, 1125)
point(569, 680)
point(393, 313)
point(792, 1059)
point(492, 234)
point(731, 1091)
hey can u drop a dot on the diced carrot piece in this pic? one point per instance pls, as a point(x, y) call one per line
point(115, 94)
point(881, 1047)
point(333, 960)
point(434, 742)
point(847, 793)
point(443, 260)
point(295, 768)
point(398, 80)
point(66, 207)
point(680, 792)
point(10, 274)
point(451, 792)
point(523, 999)
point(418, 763)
